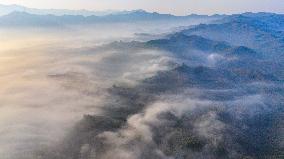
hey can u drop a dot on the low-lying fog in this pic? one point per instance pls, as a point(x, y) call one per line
point(51, 77)
point(105, 91)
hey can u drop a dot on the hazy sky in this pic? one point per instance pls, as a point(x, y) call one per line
point(164, 6)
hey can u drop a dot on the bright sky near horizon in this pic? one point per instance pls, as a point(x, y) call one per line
point(178, 7)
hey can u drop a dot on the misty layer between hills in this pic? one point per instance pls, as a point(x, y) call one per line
point(181, 95)
point(202, 109)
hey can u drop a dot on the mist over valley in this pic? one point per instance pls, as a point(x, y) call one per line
point(140, 85)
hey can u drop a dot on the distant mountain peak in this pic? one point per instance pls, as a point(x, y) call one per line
point(139, 11)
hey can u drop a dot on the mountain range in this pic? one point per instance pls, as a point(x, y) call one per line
point(6, 9)
point(215, 89)
point(15, 15)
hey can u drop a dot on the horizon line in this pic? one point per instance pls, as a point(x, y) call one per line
point(131, 10)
